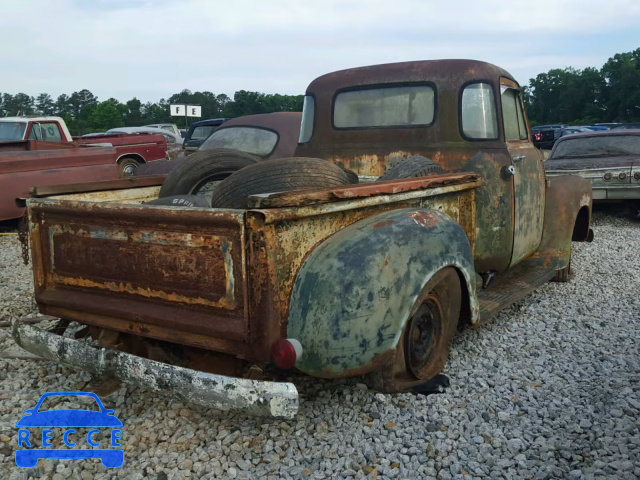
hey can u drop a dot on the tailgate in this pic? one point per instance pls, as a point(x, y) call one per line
point(169, 273)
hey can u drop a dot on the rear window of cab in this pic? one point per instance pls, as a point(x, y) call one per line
point(385, 107)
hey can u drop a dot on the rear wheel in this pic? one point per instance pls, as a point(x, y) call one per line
point(128, 166)
point(564, 274)
point(423, 349)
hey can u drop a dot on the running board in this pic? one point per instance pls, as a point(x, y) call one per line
point(511, 286)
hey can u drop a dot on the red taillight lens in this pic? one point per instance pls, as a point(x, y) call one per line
point(538, 136)
point(284, 353)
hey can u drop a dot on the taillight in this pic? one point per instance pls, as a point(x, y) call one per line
point(538, 136)
point(285, 353)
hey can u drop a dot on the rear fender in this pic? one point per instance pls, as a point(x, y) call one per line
point(567, 218)
point(353, 294)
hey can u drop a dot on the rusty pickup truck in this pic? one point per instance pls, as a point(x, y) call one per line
point(452, 221)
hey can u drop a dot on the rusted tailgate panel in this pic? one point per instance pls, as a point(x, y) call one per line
point(151, 269)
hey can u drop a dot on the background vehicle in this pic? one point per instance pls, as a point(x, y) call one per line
point(172, 139)
point(50, 129)
point(26, 165)
point(299, 267)
point(544, 136)
point(627, 126)
point(132, 150)
point(610, 160)
point(30, 163)
point(199, 132)
point(562, 132)
point(170, 127)
point(267, 136)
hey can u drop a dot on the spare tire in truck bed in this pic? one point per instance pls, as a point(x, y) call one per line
point(278, 175)
point(203, 167)
point(414, 166)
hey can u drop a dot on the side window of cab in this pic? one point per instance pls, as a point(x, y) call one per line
point(515, 128)
point(49, 132)
point(478, 119)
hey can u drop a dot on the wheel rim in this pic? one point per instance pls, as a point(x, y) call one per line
point(423, 336)
point(129, 169)
point(206, 187)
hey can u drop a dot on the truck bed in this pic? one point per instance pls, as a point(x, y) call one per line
point(209, 278)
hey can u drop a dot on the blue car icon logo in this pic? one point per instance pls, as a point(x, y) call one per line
point(69, 419)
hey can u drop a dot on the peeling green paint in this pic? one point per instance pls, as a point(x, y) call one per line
point(353, 294)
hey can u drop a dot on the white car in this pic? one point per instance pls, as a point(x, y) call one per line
point(173, 140)
point(170, 127)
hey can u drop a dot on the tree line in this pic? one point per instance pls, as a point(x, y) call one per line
point(568, 95)
point(83, 113)
point(588, 96)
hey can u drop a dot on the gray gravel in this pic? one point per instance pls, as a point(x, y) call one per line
point(549, 389)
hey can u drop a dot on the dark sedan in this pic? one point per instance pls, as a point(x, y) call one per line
point(609, 159)
point(199, 132)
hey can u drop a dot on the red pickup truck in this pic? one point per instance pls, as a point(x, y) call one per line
point(39, 151)
point(132, 150)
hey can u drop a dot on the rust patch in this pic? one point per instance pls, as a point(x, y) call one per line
point(426, 219)
point(383, 224)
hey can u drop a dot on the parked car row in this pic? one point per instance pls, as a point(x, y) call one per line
point(610, 160)
point(545, 136)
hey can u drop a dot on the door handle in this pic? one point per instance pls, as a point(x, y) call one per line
point(519, 158)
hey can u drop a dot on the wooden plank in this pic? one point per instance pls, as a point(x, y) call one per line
point(118, 184)
point(308, 197)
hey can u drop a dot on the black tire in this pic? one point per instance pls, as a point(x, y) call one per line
point(157, 167)
point(128, 166)
point(180, 201)
point(197, 170)
point(278, 175)
point(423, 349)
point(563, 275)
point(414, 166)
point(353, 176)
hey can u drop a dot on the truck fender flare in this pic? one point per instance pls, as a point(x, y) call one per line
point(567, 218)
point(136, 156)
point(353, 294)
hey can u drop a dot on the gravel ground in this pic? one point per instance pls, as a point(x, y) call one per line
point(549, 389)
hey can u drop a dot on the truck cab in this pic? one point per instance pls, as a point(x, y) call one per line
point(372, 118)
point(50, 129)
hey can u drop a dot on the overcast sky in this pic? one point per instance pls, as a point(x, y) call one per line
point(153, 48)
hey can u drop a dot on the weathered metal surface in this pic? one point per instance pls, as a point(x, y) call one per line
point(309, 197)
point(154, 272)
point(567, 217)
point(86, 187)
point(127, 196)
point(345, 205)
point(205, 389)
point(21, 170)
point(287, 242)
point(352, 296)
point(529, 198)
point(28, 145)
point(336, 269)
point(370, 152)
